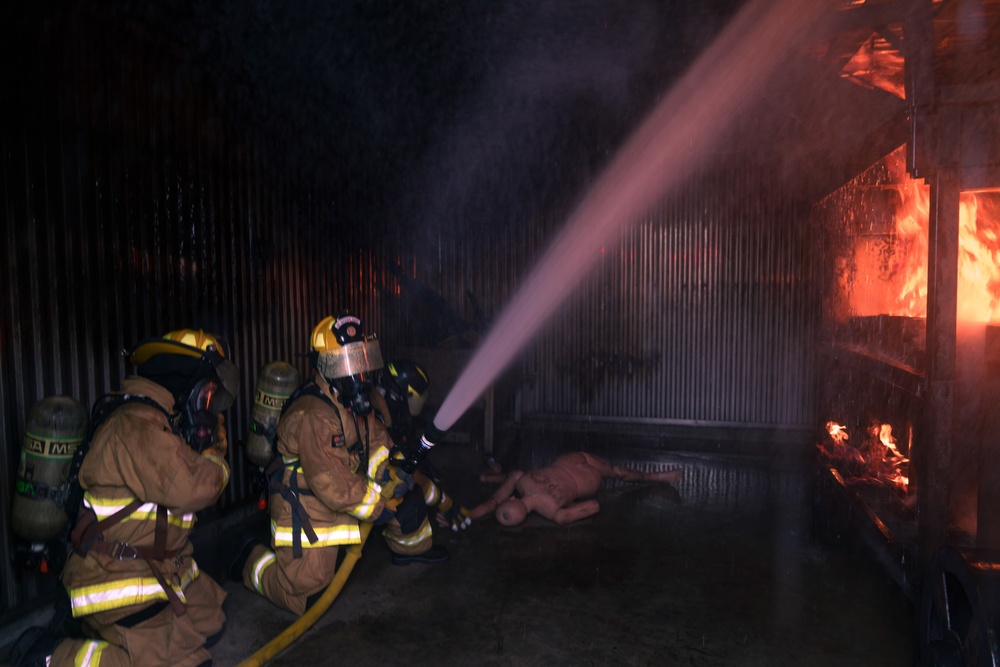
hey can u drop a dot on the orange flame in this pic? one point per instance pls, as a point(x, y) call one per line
point(878, 461)
point(894, 282)
point(837, 432)
point(877, 64)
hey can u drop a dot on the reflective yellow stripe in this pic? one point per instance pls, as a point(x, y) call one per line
point(124, 593)
point(89, 654)
point(380, 456)
point(432, 497)
point(105, 507)
point(445, 504)
point(218, 461)
point(366, 508)
point(423, 533)
point(328, 536)
point(261, 564)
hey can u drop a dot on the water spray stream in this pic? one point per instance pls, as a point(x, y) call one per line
point(676, 138)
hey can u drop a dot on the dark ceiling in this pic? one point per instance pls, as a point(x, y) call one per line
point(442, 110)
point(452, 111)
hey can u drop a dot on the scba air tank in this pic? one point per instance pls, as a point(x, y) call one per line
point(275, 383)
point(55, 426)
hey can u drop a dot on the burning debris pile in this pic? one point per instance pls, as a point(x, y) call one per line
point(877, 461)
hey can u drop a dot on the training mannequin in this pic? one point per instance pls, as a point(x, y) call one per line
point(552, 491)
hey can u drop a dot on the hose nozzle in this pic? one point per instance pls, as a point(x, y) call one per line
point(431, 437)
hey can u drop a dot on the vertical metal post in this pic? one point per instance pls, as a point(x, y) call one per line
point(942, 314)
point(988, 502)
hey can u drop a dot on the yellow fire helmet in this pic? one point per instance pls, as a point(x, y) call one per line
point(412, 380)
point(192, 354)
point(339, 348)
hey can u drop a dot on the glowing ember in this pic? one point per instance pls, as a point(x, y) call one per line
point(877, 64)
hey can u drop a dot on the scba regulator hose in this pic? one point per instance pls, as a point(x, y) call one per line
point(306, 621)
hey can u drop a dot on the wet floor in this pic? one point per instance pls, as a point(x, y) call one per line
point(719, 570)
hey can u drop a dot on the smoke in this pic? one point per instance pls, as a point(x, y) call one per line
point(682, 132)
point(553, 89)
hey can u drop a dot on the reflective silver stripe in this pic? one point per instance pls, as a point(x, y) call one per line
point(105, 507)
point(259, 566)
point(432, 495)
point(380, 456)
point(366, 508)
point(124, 592)
point(423, 533)
point(89, 654)
point(328, 536)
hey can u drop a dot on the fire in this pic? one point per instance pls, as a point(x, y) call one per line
point(837, 432)
point(877, 64)
point(877, 461)
point(892, 275)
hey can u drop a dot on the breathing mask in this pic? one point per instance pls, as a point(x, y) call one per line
point(199, 416)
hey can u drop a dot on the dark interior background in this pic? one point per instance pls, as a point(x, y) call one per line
point(250, 167)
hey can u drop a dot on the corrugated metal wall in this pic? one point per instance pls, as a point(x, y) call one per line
point(704, 314)
point(131, 207)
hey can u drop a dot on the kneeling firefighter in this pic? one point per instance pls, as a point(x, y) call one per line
point(333, 472)
point(401, 393)
point(156, 457)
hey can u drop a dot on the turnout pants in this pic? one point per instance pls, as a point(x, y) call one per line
point(288, 581)
point(164, 639)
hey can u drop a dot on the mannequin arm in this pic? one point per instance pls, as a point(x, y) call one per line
point(505, 491)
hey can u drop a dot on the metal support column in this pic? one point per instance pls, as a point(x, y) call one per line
point(942, 314)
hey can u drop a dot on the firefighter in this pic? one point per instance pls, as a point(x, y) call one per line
point(155, 460)
point(402, 390)
point(333, 472)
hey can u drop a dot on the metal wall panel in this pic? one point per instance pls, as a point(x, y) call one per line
point(704, 314)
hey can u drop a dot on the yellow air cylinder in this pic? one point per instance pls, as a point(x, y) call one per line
point(55, 426)
point(275, 383)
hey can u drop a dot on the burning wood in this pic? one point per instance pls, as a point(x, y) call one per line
point(877, 461)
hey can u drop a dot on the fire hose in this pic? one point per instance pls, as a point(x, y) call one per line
point(304, 622)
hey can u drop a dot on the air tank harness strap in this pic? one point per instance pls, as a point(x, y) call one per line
point(291, 492)
point(88, 535)
point(267, 431)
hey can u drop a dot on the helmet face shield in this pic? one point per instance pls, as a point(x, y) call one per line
point(352, 359)
point(209, 396)
point(229, 384)
point(199, 416)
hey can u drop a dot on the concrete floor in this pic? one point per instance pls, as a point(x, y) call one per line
point(717, 571)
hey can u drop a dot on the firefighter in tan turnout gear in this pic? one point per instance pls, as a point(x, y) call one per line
point(154, 461)
point(333, 472)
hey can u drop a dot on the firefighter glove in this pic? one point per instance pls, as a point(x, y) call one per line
point(221, 440)
point(399, 484)
point(452, 515)
point(385, 517)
